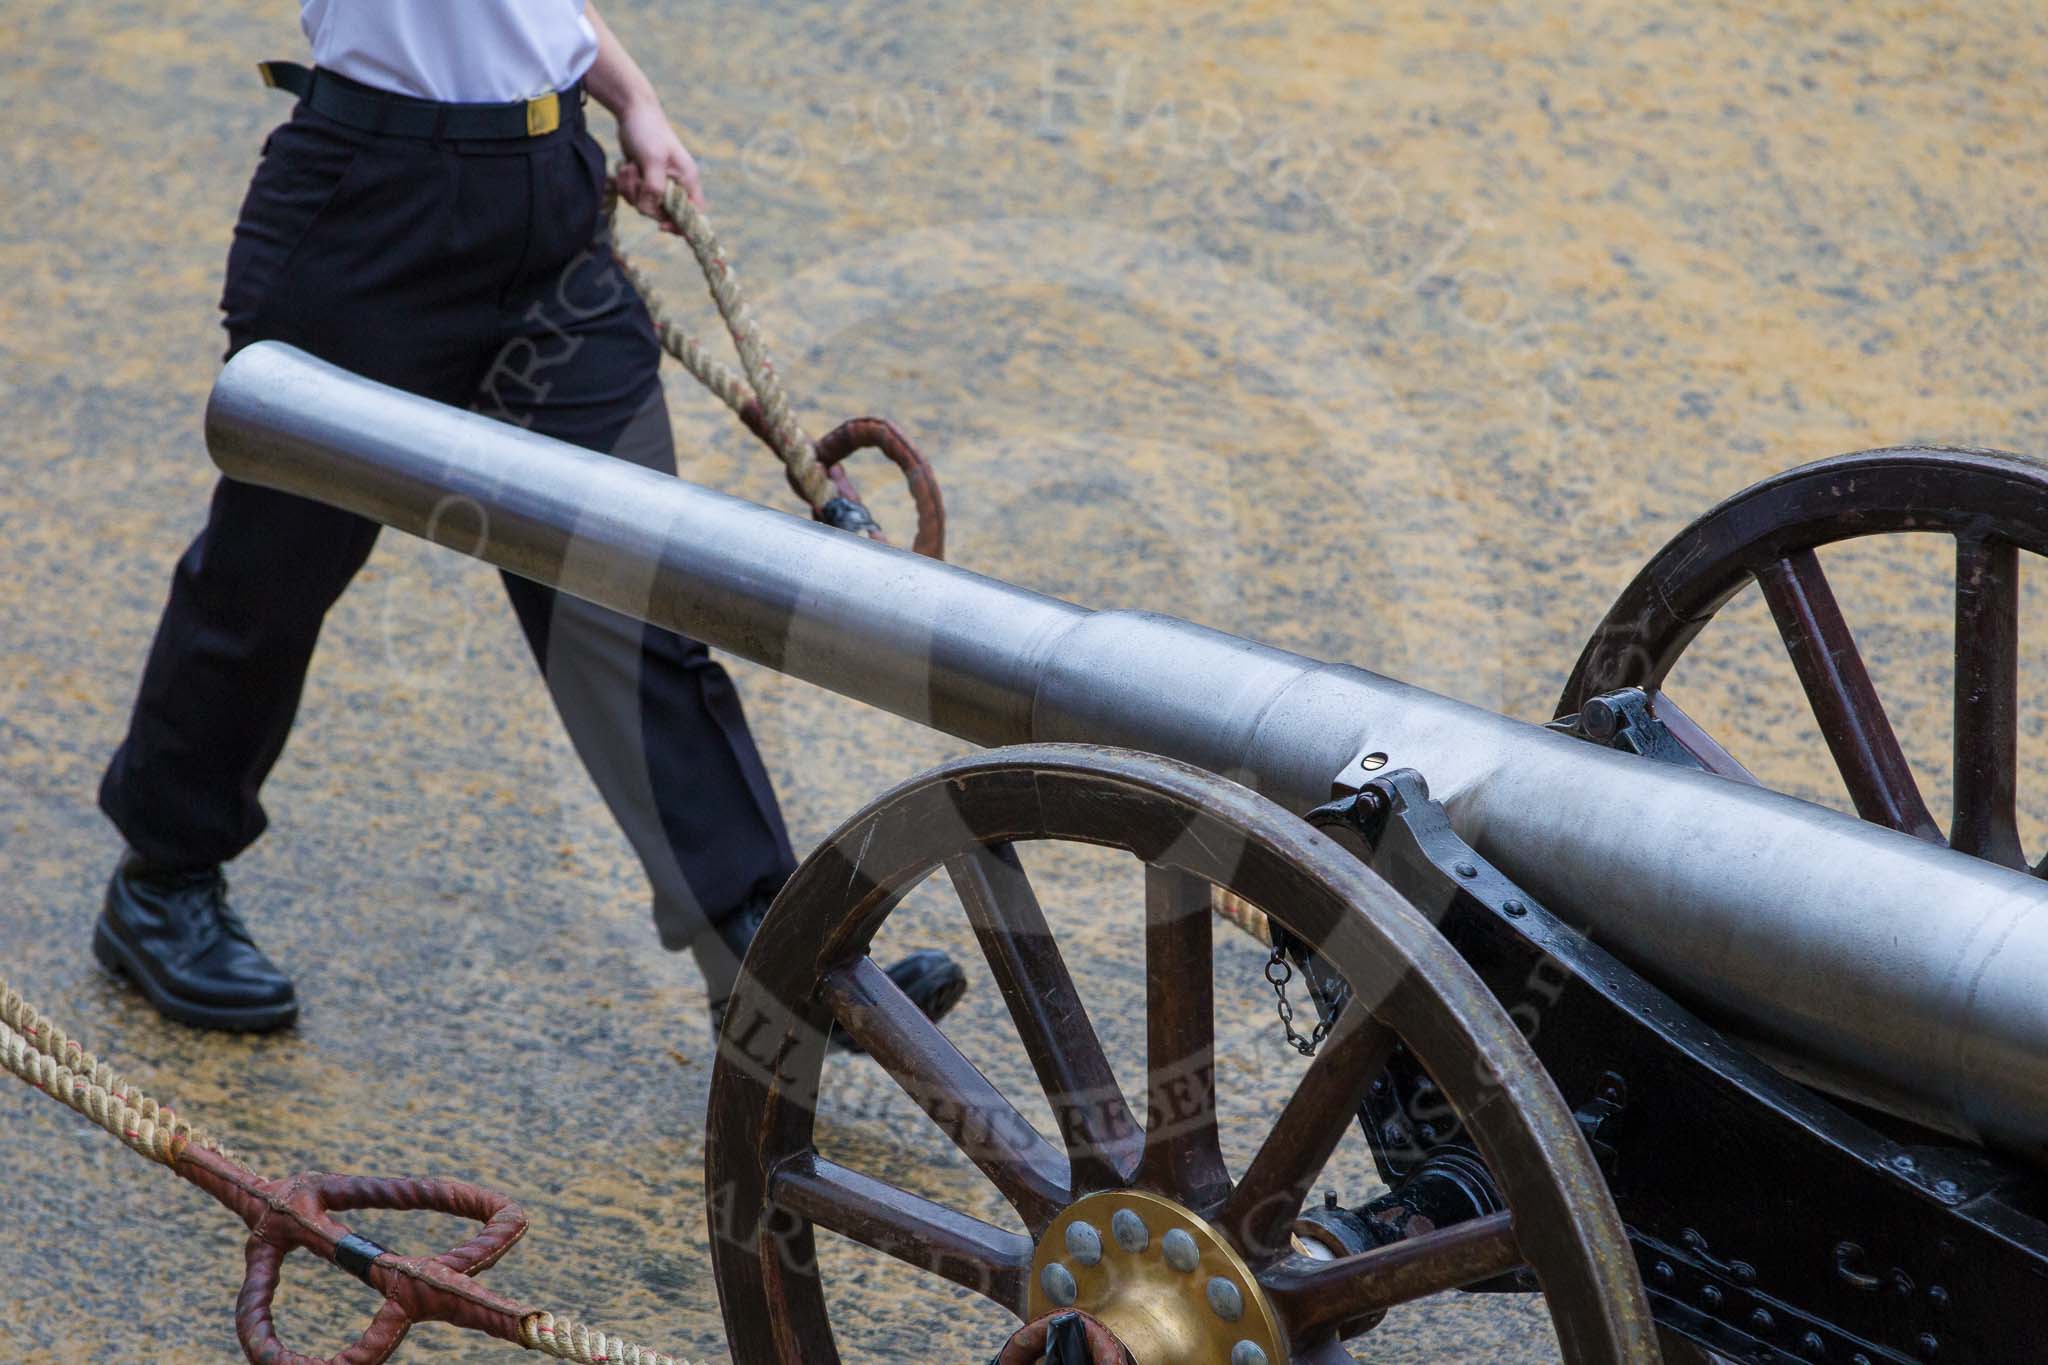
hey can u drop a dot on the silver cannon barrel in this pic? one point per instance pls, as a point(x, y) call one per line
point(1888, 968)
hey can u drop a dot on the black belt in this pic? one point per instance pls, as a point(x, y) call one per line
point(380, 111)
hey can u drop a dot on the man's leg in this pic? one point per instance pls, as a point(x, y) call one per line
point(225, 672)
point(657, 722)
point(216, 702)
point(333, 253)
point(654, 719)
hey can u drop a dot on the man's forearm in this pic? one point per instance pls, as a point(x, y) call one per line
point(615, 80)
point(653, 154)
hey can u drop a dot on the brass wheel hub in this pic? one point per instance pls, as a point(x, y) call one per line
point(1165, 1282)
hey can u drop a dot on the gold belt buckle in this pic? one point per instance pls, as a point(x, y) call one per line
point(543, 115)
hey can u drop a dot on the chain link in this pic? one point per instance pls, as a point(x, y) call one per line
point(1279, 971)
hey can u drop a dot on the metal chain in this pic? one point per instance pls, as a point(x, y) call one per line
point(1279, 971)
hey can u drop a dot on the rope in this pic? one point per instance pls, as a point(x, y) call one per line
point(1236, 910)
point(55, 1063)
point(567, 1340)
point(814, 468)
point(762, 386)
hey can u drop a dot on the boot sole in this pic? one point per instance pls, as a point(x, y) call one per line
point(116, 958)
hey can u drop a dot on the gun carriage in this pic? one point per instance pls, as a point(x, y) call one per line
point(1703, 1063)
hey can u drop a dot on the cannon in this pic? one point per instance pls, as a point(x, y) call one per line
point(1716, 1070)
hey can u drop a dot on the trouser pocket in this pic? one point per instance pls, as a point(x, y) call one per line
point(303, 173)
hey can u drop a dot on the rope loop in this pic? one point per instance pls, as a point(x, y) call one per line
point(296, 1214)
point(289, 1215)
point(875, 433)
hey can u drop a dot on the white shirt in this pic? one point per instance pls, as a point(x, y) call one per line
point(455, 51)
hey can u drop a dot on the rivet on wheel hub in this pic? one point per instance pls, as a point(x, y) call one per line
point(1058, 1283)
point(1084, 1243)
point(1225, 1299)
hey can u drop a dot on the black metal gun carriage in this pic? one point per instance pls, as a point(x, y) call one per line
point(1704, 1064)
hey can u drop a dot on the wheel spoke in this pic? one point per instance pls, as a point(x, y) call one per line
point(965, 1105)
point(1182, 1154)
point(1987, 700)
point(1843, 698)
point(1314, 1295)
point(913, 1229)
point(1095, 1122)
point(1259, 1214)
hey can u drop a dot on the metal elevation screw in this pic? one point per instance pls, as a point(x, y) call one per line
point(1058, 1283)
point(1129, 1230)
point(1247, 1353)
point(1180, 1249)
point(1084, 1243)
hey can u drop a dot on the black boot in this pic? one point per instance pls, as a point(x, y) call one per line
point(932, 980)
point(172, 932)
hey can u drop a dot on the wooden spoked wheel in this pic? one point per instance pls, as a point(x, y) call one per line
point(1993, 505)
point(1132, 1221)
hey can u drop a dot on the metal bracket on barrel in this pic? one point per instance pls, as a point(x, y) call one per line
point(1390, 820)
point(1624, 719)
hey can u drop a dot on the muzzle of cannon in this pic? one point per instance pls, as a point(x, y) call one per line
point(1887, 969)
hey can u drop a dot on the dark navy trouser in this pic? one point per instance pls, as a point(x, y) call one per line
point(474, 273)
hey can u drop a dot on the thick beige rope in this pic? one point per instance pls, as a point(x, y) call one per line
point(1235, 909)
point(566, 1340)
point(52, 1061)
point(761, 385)
point(47, 1058)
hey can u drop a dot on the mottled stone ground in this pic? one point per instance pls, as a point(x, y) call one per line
point(1400, 334)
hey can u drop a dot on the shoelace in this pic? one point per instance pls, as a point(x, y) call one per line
point(222, 923)
point(230, 922)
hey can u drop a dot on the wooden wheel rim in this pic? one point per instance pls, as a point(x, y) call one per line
point(769, 1187)
point(1991, 502)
